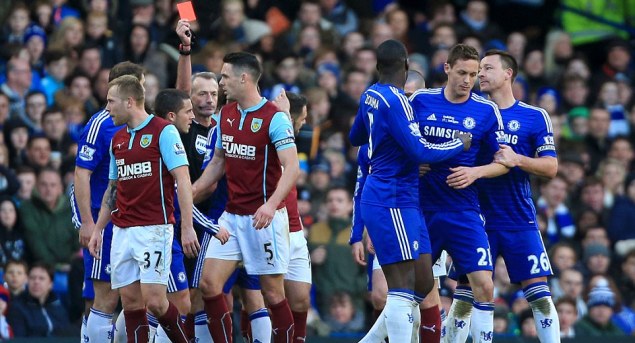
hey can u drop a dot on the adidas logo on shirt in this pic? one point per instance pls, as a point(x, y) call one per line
point(432, 117)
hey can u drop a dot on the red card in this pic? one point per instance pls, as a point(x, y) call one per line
point(186, 11)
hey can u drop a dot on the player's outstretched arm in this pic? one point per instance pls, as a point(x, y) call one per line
point(82, 195)
point(206, 184)
point(404, 128)
point(184, 68)
point(545, 166)
point(190, 244)
point(105, 213)
point(291, 169)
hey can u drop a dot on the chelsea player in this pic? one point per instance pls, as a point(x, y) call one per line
point(506, 201)
point(389, 206)
point(448, 199)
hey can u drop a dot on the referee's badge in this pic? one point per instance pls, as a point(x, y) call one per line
point(146, 140)
point(256, 124)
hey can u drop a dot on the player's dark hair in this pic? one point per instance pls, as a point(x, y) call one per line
point(507, 60)
point(169, 100)
point(296, 102)
point(125, 68)
point(462, 52)
point(417, 77)
point(392, 57)
point(244, 62)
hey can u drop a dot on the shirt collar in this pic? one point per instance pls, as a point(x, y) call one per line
point(142, 125)
point(253, 108)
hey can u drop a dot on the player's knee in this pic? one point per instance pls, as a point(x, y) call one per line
point(273, 296)
point(156, 305)
point(209, 287)
point(300, 304)
point(182, 303)
point(483, 289)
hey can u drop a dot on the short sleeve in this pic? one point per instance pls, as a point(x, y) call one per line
point(112, 167)
point(172, 150)
point(93, 142)
point(543, 141)
point(219, 142)
point(281, 131)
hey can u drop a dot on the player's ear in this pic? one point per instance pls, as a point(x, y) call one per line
point(446, 67)
point(171, 116)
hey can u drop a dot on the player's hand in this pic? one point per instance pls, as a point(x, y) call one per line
point(86, 232)
point(184, 32)
point(189, 241)
point(369, 245)
point(94, 245)
point(423, 169)
point(318, 255)
point(283, 102)
point(507, 156)
point(222, 235)
point(465, 137)
point(358, 253)
point(263, 216)
point(461, 177)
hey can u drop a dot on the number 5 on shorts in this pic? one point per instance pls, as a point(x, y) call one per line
point(267, 247)
point(146, 258)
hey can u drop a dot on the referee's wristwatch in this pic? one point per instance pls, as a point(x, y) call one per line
point(185, 50)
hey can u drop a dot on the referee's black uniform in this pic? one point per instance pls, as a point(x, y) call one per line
point(195, 143)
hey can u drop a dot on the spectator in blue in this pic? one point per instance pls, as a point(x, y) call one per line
point(39, 312)
point(623, 214)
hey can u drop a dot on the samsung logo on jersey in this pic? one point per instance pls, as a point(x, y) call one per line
point(372, 102)
point(134, 171)
point(242, 151)
point(439, 131)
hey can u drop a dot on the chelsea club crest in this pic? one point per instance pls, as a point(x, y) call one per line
point(145, 140)
point(256, 124)
point(513, 125)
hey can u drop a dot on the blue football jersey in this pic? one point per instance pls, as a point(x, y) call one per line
point(395, 147)
point(438, 120)
point(363, 164)
point(506, 200)
point(93, 153)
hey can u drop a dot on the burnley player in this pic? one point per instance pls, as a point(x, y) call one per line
point(390, 208)
point(91, 181)
point(448, 200)
point(147, 157)
point(254, 140)
point(506, 201)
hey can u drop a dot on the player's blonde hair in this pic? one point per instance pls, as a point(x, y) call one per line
point(128, 86)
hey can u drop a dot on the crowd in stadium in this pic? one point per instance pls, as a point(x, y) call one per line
point(575, 61)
